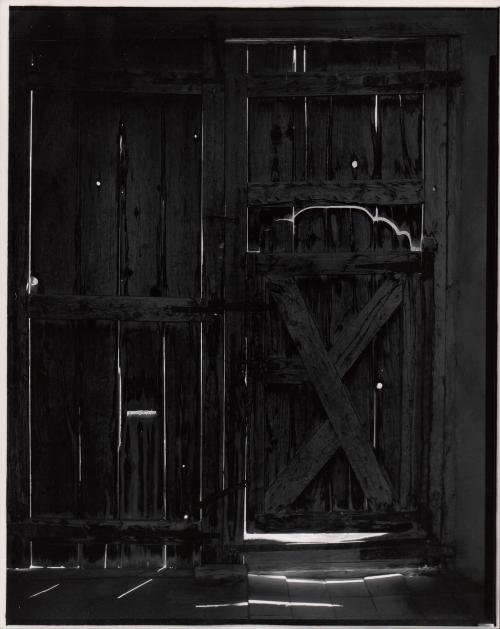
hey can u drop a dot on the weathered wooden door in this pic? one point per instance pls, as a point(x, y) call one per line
point(343, 185)
point(119, 327)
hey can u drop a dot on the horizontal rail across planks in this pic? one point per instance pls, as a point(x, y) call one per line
point(405, 191)
point(129, 308)
point(122, 83)
point(304, 265)
point(321, 84)
point(151, 531)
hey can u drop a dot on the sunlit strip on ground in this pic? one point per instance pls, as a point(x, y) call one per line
point(43, 591)
point(253, 601)
point(135, 588)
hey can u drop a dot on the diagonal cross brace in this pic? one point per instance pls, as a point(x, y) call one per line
point(344, 426)
point(348, 345)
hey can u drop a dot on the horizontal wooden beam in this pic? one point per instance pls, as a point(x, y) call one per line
point(114, 308)
point(321, 84)
point(113, 82)
point(152, 531)
point(304, 265)
point(118, 308)
point(68, 23)
point(404, 191)
point(335, 522)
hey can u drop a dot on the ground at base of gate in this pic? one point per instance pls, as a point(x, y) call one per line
point(54, 596)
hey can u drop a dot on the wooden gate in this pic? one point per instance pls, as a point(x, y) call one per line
point(116, 297)
point(343, 186)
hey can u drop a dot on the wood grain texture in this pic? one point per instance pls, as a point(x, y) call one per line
point(435, 221)
point(275, 58)
point(99, 194)
point(361, 84)
point(142, 227)
point(401, 140)
point(119, 66)
point(347, 347)
point(303, 265)
point(212, 332)
point(330, 193)
point(183, 421)
point(276, 135)
point(379, 55)
point(353, 131)
point(319, 131)
point(412, 436)
point(54, 193)
point(180, 24)
point(118, 308)
point(54, 419)
point(141, 485)
point(332, 393)
point(18, 472)
point(97, 369)
point(98, 531)
point(455, 150)
point(182, 121)
point(401, 523)
point(236, 170)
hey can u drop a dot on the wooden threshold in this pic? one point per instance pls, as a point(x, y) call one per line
point(335, 522)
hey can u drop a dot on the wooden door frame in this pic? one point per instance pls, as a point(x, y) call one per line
point(441, 159)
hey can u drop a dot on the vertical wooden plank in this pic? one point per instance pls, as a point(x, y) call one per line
point(182, 381)
point(388, 365)
point(274, 59)
point(412, 439)
point(235, 156)
point(454, 200)
point(18, 467)
point(353, 137)
point(348, 55)
point(54, 222)
point(319, 138)
point(212, 290)
point(360, 378)
point(141, 444)
point(99, 193)
point(276, 132)
point(142, 249)
point(400, 131)
point(435, 226)
point(97, 353)
point(54, 555)
point(182, 177)
point(270, 429)
point(141, 556)
point(54, 418)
